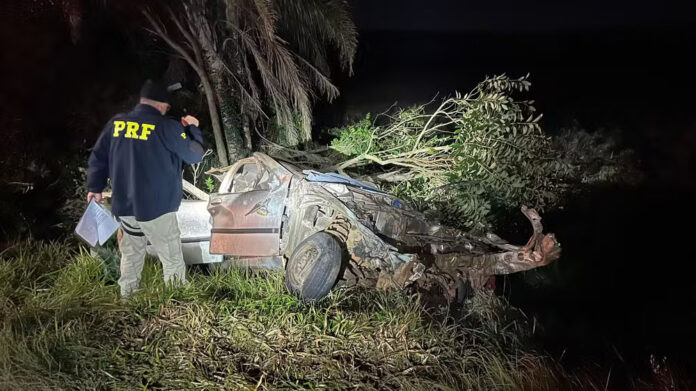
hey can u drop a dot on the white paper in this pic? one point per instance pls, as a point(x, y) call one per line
point(96, 225)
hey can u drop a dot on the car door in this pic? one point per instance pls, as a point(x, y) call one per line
point(247, 216)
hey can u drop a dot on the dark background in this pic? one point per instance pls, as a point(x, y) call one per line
point(624, 288)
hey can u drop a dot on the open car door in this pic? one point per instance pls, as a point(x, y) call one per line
point(247, 212)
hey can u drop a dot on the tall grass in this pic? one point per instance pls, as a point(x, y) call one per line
point(63, 327)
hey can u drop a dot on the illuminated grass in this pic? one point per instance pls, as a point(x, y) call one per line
point(63, 327)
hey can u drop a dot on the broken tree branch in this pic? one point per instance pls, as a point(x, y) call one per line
point(194, 191)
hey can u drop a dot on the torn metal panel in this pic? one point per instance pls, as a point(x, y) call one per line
point(501, 263)
point(406, 274)
point(539, 251)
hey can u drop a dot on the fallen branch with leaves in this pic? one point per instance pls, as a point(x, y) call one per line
point(473, 152)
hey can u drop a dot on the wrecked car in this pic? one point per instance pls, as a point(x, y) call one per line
point(328, 229)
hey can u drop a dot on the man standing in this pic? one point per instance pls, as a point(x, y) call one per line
point(143, 153)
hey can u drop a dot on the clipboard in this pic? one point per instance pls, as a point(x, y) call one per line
point(96, 225)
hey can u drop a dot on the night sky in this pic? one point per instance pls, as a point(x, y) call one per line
point(517, 16)
point(626, 279)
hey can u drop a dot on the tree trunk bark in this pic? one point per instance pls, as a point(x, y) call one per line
point(231, 115)
point(246, 130)
point(215, 120)
point(195, 61)
point(229, 108)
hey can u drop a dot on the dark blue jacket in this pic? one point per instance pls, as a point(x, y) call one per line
point(143, 152)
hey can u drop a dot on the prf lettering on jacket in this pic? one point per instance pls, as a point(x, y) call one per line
point(132, 129)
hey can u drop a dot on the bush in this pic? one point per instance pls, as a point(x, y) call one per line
point(595, 158)
point(476, 156)
point(472, 155)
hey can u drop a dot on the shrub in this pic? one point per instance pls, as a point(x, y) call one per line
point(595, 158)
point(472, 154)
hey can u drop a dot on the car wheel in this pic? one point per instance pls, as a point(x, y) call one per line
point(314, 266)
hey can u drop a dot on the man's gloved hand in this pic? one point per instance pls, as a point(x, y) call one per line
point(189, 120)
point(96, 196)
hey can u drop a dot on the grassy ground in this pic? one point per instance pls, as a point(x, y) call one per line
point(63, 327)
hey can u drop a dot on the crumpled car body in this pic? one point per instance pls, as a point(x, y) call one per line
point(266, 207)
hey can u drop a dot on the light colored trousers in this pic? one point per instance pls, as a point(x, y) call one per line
point(163, 233)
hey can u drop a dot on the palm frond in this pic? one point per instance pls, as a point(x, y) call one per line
point(311, 24)
point(276, 53)
point(321, 81)
point(279, 74)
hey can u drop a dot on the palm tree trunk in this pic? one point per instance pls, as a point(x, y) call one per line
point(246, 130)
point(230, 110)
point(195, 61)
point(214, 120)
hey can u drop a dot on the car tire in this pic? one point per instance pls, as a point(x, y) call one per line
point(313, 268)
